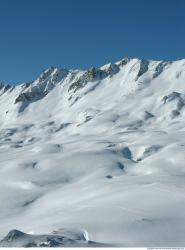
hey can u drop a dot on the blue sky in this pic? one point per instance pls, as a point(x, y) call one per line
point(37, 34)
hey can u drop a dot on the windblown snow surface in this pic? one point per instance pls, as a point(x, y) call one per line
point(101, 151)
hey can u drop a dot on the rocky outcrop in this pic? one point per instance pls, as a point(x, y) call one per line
point(36, 90)
point(176, 101)
point(160, 68)
point(61, 238)
point(143, 68)
point(30, 96)
point(93, 74)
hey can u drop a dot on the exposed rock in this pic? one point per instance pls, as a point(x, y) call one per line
point(109, 176)
point(61, 238)
point(143, 68)
point(159, 68)
point(174, 95)
point(76, 85)
point(94, 74)
point(123, 62)
point(45, 74)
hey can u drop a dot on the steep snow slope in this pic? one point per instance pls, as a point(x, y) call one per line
point(100, 151)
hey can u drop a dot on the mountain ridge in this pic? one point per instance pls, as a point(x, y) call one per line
point(97, 67)
point(105, 143)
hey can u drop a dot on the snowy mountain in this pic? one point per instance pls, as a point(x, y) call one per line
point(99, 151)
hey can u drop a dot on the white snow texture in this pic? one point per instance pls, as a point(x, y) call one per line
point(100, 150)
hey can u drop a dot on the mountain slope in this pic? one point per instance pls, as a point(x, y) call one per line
point(100, 150)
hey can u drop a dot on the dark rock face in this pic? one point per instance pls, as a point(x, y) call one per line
point(148, 115)
point(34, 91)
point(30, 96)
point(109, 176)
point(13, 235)
point(120, 166)
point(159, 69)
point(76, 85)
point(127, 153)
point(45, 74)
point(61, 238)
point(93, 74)
point(174, 95)
point(5, 87)
point(143, 68)
point(123, 62)
point(89, 75)
point(23, 97)
point(178, 102)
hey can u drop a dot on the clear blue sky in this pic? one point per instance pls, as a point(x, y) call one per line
point(37, 34)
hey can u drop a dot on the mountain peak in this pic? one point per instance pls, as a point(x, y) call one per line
point(105, 142)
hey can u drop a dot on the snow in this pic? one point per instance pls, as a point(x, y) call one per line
point(106, 157)
point(60, 238)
